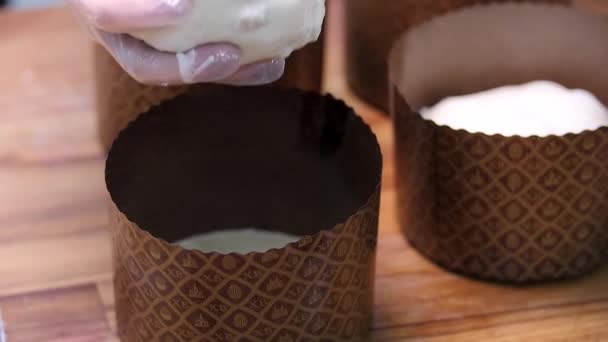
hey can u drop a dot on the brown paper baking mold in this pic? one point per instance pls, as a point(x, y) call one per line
point(509, 209)
point(120, 99)
point(249, 157)
point(372, 28)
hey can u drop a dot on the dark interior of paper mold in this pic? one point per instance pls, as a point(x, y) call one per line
point(227, 158)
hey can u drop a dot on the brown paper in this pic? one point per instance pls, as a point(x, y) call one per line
point(598, 7)
point(502, 208)
point(372, 28)
point(225, 158)
point(120, 98)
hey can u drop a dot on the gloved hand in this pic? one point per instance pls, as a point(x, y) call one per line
point(107, 20)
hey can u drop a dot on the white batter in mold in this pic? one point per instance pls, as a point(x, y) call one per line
point(263, 29)
point(539, 108)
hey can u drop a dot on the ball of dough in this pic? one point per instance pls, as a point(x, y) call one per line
point(539, 108)
point(263, 29)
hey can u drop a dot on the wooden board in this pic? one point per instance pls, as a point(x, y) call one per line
point(52, 201)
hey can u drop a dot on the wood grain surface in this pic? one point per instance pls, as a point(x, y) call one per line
point(55, 266)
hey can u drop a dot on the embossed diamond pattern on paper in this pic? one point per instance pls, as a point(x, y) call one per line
point(518, 210)
point(319, 287)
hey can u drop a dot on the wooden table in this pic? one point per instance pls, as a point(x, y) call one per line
point(55, 268)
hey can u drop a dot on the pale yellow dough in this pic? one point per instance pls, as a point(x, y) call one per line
point(263, 29)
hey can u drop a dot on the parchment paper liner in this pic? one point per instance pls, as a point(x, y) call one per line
point(120, 98)
point(502, 208)
point(249, 156)
point(373, 26)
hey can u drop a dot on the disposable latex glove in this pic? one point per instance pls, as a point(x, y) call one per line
point(106, 19)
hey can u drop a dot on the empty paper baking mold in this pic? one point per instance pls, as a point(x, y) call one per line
point(224, 158)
